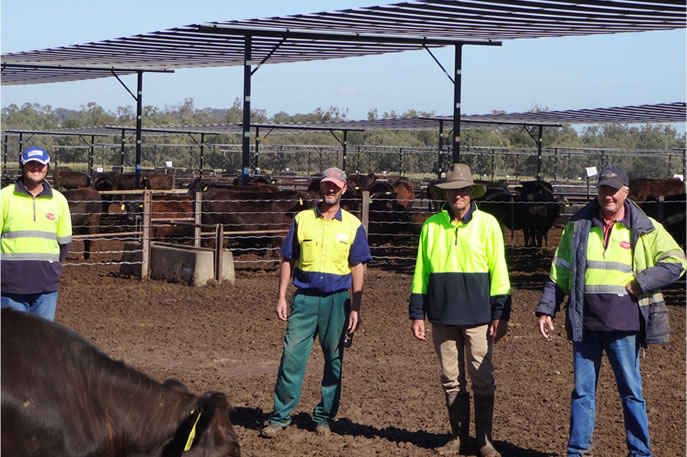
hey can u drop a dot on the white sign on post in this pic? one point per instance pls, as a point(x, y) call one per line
point(680, 177)
point(591, 172)
point(168, 163)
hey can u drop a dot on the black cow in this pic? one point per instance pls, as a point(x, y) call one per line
point(538, 211)
point(533, 208)
point(62, 397)
point(670, 212)
point(85, 207)
point(253, 212)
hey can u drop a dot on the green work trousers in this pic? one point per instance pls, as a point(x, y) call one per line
point(325, 316)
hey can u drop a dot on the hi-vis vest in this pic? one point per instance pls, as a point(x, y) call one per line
point(33, 228)
point(608, 269)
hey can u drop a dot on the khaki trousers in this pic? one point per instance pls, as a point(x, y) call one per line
point(460, 346)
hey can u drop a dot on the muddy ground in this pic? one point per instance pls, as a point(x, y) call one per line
point(227, 338)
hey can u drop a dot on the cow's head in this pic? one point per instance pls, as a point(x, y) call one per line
point(206, 431)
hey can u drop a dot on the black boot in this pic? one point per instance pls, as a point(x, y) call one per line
point(484, 416)
point(458, 405)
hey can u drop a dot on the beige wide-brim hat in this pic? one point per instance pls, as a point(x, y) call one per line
point(459, 176)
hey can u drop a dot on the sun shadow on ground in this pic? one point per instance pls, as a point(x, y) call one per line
point(255, 419)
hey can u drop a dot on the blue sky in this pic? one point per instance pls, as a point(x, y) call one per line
point(557, 73)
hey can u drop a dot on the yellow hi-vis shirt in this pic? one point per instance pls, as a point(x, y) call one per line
point(33, 228)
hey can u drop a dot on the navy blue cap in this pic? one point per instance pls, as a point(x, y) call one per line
point(613, 177)
point(35, 154)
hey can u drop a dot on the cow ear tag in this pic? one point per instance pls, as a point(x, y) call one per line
point(205, 188)
point(300, 201)
point(192, 434)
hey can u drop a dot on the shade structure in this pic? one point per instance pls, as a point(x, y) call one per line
point(337, 34)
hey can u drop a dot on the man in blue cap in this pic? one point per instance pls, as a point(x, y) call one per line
point(36, 232)
point(612, 261)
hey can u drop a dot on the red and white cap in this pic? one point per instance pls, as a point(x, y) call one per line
point(335, 175)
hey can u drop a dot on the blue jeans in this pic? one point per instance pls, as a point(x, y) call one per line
point(42, 304)
point(622, 349)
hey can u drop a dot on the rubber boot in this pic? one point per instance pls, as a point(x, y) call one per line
point(484, 416)
point(458, 405)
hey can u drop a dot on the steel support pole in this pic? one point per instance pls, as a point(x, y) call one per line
point(139, 122)
point(245, 156)
point(539, 145)
point(202, 151)
point(441, 149)
point(121, 152)
point(21, 148)
point(90, 158)
point(345, 149)
point(456, 104)
point(4, 154)
point(257, 149)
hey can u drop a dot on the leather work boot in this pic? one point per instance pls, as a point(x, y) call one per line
point(484, 417)
point(271, 430)
point(458, 405)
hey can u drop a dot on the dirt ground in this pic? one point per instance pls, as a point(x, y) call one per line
point(227, 338)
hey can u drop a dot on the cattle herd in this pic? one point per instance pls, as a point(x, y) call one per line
point(61, 373)
point(257, 214)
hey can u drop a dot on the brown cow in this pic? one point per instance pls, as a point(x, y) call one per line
point(62, 397)
point(157, 181)
point(202, 185)
point(641, 188)
point(405, 192)
point(67, 179)
point(85, 207)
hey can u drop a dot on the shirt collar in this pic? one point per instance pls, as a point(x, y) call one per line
point(598, 220)
point(20, 187)
point(465, 219)
point(337, 216)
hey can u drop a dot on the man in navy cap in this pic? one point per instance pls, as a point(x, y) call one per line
point(36, 232)
point(612, 261)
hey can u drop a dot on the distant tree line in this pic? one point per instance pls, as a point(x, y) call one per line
point(39, 117)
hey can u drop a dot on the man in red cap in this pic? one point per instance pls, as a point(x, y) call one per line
point(325, 252)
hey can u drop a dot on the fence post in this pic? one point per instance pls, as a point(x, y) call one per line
point(219, 251)
point(147, 203)
point(365, 209)
point(197, 218)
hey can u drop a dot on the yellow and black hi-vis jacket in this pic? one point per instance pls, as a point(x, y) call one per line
point(36, 233)
point(461, 277)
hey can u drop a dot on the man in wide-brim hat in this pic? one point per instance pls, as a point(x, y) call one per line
point(461, 285)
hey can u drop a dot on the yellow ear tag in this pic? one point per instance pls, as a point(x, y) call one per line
point(123, 207)
point(300, 201)
point(191, 435)
point(205, 188)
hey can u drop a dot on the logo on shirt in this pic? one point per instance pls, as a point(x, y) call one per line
point(50, 216)
point(625, 244)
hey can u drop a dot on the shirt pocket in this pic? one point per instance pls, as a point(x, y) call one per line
point(342, 247)
point(308, 252)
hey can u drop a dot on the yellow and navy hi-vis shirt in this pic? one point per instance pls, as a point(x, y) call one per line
point(35, 231)
point(460, 276)
point(325, 250)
